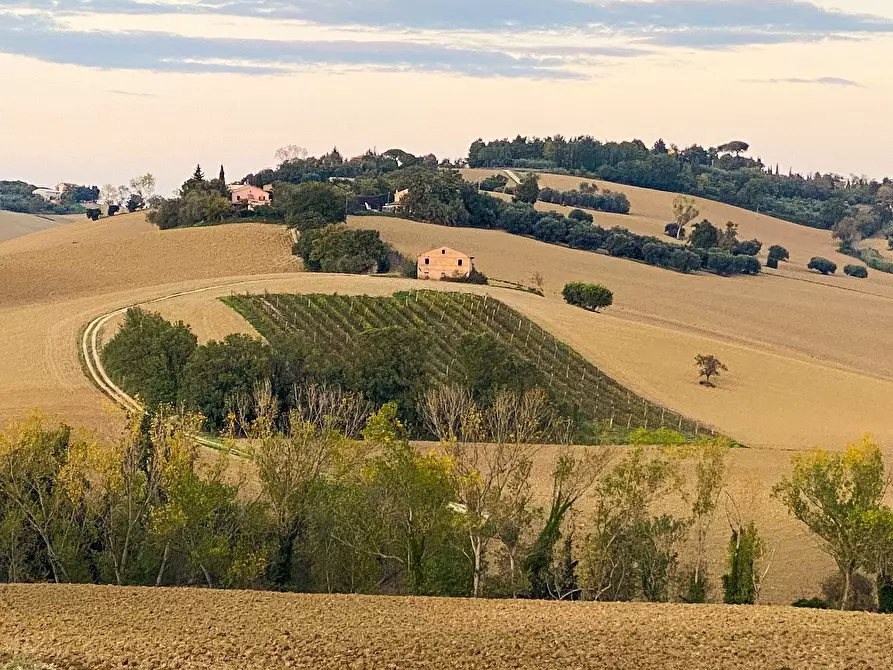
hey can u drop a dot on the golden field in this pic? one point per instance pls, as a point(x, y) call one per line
point(110, 627)
point(807, 354)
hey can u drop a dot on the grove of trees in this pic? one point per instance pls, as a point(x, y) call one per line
point(717, 173)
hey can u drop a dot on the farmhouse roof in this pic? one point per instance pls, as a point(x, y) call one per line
point(442, 250)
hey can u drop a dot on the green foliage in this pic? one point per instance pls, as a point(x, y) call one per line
point(409, 268)
point(343, 250)
point(437, 196)
point(772, 263)
point(604, 201)
point(147, 355)
point(822, 265)
point(580, 215)
point(588, 296)
point(857, 271)
point(528, 190)
point(778, 253)
point(330, 329)
point(218, 372)
point(660, 436)
point(484, 365)
point(811, 603)
point(716, 173)
point(741, 583)
point(884, 586)
point(709, 366)
point(629, 552)
point(838, 496)
point(310, 205)
point(704, 235)
point(495, 182)
point(197, 205)
point(747, 248)
point(18, 196)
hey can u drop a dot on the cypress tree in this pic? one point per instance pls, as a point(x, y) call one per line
point(222, 183)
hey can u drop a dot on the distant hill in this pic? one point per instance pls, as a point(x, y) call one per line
point(15, 224)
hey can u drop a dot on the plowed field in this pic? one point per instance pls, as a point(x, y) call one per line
point(109, 627)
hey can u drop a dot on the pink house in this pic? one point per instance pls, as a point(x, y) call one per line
point(252, 195)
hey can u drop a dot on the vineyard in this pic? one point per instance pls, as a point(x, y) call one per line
point(331, 324)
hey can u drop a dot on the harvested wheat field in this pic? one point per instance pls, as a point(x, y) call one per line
point(110, 627)
point(122, 252)
point(14, 224)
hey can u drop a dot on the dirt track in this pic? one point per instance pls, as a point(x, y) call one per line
point(109, 627)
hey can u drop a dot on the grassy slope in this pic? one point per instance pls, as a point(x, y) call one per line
point(331, 324)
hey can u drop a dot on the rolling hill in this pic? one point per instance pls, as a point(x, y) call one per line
point(14, 224)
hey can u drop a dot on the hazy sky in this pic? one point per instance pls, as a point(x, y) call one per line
point(97, 91)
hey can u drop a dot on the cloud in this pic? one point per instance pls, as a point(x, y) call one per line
point(790, 17)
point(131, 93)
point(824, 81)
point(34, 37)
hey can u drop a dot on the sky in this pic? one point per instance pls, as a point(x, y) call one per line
point(99, 91)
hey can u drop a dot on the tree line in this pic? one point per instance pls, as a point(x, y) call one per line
point(375, 514)
point(18, 196)
point(445, 198)
point(717, 173)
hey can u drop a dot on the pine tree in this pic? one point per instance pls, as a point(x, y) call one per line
point(221, 185)
point(198, 175)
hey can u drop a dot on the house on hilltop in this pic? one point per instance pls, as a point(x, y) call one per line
point(51, 194)
point(245, 194)
point(444, 263)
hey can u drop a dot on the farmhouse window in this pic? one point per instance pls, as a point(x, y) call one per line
point(460, 262)
point(427, 261)
point(443, 251)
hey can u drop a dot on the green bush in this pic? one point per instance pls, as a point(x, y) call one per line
point(822, 265)
point(740, 583)
point(813, 603)
point(747, 248)
point(580, 215)
point(343, 250)
point(660, 436)
point(858, 271)
point(409, 268)
point(772, 263)
point(746, 265)
point(588, 296)
point(778, 253)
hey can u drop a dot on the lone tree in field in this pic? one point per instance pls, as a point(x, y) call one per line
point(588, 296)
point(777, 253)
point(839, 496)
point(822, 265)
point(709, 366)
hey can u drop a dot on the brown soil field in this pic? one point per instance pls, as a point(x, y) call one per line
point(82, 627)
point(14, 224)
point(121, 252)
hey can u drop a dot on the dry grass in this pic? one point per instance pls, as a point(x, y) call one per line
point(14, 224)
point(109, 627)
point(124, 252)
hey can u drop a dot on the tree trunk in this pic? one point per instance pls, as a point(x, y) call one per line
point(476, 550)
point(847, 580)
point(167, 549)
point(207, 576)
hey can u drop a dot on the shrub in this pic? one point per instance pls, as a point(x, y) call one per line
point(529, 189)
point(822, 265)
point(494, 182)
point(884, 586)
point(747, 248)
point(409, 268)
point(779, 253)
point(672, 230)
point(339, 249)
point(580, 215)
point(772, 263)
point(709, 366)
point(858, 271)
point(746, 265)
point(474, 277)
point(861, 596)
point(740, 583)
point(660, 436)
point(812, 603)
point(588, 296)
point(721, 262)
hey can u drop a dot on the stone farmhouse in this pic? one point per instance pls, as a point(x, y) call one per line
point(444, 263)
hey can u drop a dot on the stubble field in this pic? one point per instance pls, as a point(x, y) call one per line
point(109, 627)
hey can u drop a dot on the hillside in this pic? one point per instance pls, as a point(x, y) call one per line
point(14, 224)
point(113, 627)
point(333, 325)
point(125, 251)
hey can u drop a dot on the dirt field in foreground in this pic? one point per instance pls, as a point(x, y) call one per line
point(108, 627)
